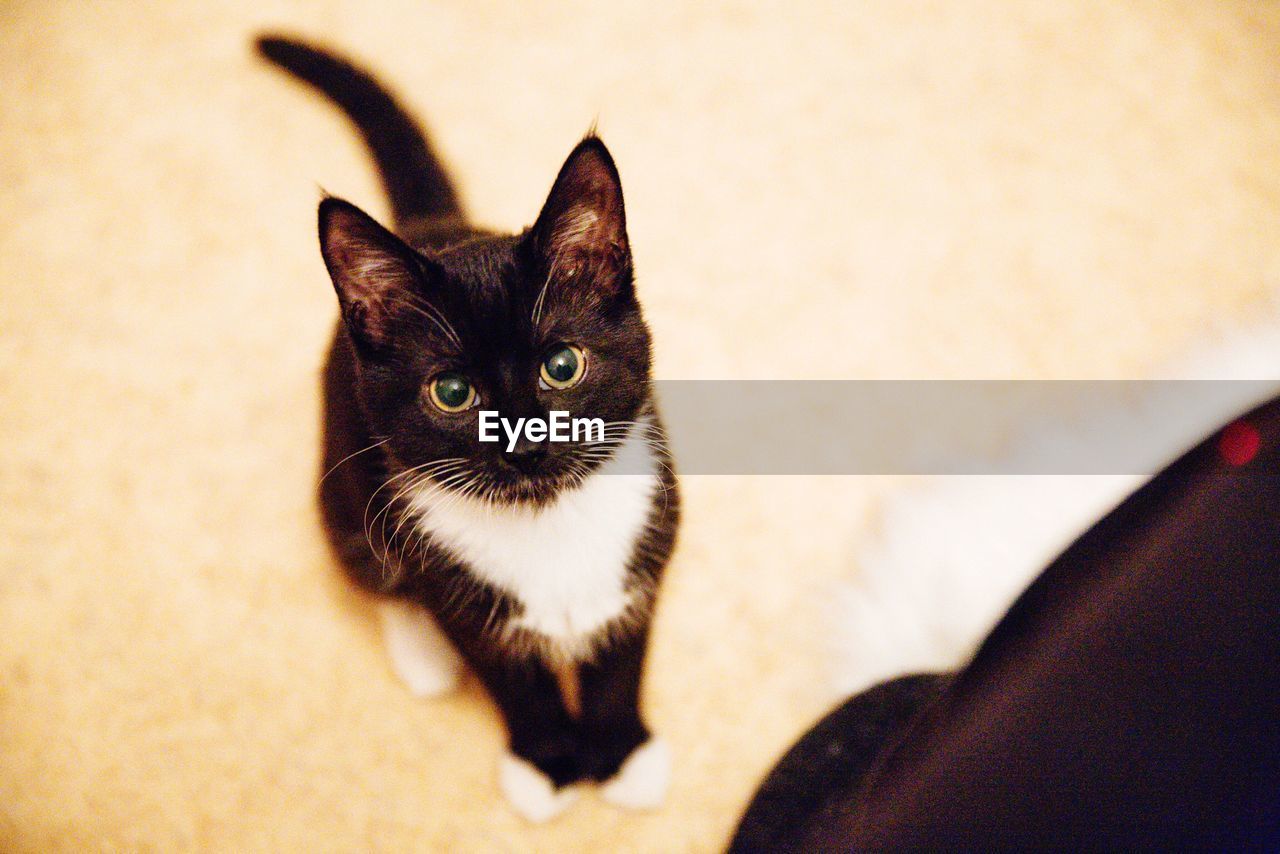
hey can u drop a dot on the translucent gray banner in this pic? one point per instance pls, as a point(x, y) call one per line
point(945, 427)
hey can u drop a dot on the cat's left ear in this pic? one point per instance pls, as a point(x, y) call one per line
point(581, 233)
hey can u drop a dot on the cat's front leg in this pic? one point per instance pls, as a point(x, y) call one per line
point(421, 655)
point(618, 749)
point(545, 741)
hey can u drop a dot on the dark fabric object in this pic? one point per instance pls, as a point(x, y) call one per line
point(830, 760)
point(1130, 699)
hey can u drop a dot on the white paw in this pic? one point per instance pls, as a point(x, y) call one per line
point(420, 654)
point(641, 782)
point(530, 792)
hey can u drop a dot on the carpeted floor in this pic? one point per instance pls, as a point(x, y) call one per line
point(918, 189)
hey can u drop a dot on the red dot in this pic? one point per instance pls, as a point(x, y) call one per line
point(1239, 443)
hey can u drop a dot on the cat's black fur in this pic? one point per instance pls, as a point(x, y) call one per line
point(441, 295)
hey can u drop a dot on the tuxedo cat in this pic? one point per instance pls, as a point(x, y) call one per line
point(531, 562)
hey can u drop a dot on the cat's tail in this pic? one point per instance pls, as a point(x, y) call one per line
point(415, 181)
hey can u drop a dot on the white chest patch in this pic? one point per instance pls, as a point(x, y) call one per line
point(565, 563)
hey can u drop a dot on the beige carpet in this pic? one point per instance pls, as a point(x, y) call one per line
point(979, 189)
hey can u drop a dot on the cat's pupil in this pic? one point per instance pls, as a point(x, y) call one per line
point(452, 390)
point(562, 365)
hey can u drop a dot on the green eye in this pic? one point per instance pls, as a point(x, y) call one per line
point(564, 366)
point(452, 393)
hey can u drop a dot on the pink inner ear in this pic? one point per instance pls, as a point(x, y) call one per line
point(365, 270)
point(375, 274)
point(364, 259)
point(580, 230)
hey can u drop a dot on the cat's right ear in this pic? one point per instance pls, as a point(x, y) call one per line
point(374, 272)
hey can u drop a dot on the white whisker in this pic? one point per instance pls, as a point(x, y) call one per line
point(350, 457)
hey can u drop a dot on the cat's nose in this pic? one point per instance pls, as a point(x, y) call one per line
point(526, 456)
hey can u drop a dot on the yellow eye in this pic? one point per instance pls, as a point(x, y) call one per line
point(563, 367)
point(451, 392)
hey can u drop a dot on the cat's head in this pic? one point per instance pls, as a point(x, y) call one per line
point(526, 324)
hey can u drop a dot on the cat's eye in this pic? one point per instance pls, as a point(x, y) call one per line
point(450, 392)
point(563, 367)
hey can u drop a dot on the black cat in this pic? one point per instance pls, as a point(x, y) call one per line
point(533, 557)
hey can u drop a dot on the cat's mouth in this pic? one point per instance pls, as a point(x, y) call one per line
point(538, 487)
point(504, 484)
